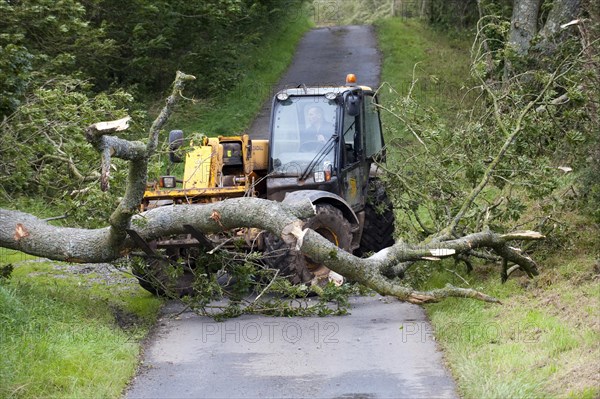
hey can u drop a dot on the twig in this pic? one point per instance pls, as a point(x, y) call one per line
point(221, 245)
point(66, 215)
point(267, 287)
point(457, 275)
point(186, 308)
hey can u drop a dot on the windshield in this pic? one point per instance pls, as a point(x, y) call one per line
point(301, 129)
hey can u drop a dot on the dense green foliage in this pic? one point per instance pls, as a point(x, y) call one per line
point(44, 151)
point(438, 158)
point(543, 340)
point(42, 40)
point(441, 14)
point(230, 112)
point(452, 14)
point(204, 38)
point(65, 65)
point(137, 45)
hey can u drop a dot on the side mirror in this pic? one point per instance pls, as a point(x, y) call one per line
point(175, 141)
point(353, 105)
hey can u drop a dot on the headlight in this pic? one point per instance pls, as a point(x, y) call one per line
point(168, 181)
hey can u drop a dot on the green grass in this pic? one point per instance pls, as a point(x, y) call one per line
point(67, 335)
point(10, 256)
point(232, 112)
point(543, 341)
point(437, 64)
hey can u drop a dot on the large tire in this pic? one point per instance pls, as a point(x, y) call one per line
point(175, 141)
point(378, 231)
point(170, 277)
point(331, 224)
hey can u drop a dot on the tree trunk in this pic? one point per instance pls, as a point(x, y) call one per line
point(523, 25)
point(562, 12)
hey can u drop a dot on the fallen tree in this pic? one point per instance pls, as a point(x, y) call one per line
point(35, 236)
point(27, 233)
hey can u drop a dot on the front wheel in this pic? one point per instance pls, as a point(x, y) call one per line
point(298, 268)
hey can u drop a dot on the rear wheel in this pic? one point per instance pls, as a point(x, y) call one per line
point(298, 268)
point(175, 141)
point(378, 230)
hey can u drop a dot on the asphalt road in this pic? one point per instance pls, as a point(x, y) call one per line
point(384, 349)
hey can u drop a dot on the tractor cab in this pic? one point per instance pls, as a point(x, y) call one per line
point(324, 138)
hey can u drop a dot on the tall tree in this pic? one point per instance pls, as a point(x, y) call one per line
point(27, 233)
point(563, 11)
point(524, 24)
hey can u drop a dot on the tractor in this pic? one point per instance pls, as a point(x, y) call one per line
point(324, 145)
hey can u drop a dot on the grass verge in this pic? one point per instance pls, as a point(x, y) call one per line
point(431, 65)
point(544, 341)
point(68, 331)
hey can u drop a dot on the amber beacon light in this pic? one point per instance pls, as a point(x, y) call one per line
point(351, 79)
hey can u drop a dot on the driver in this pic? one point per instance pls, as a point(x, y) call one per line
point(318, 129)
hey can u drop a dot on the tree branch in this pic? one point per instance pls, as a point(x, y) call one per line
point(72, 167)
point(180, 80)
point(135, 152)
point(510, 137)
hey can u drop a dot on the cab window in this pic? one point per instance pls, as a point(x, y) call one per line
point(302, 126)
point(349, 134)
point(373, 138)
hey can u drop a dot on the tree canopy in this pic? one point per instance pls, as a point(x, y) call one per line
point(65, 65)
point(134, 45)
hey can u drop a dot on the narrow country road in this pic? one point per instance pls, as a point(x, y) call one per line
point(384, 349)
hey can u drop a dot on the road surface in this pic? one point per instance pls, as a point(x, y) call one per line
point(384, 349)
